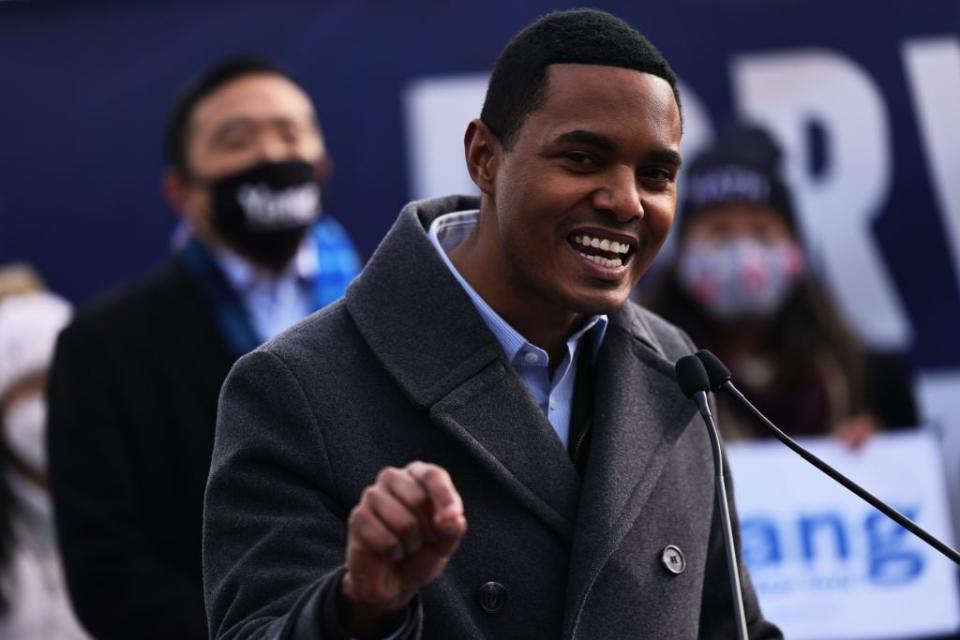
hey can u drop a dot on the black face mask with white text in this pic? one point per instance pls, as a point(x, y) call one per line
point(266, 210)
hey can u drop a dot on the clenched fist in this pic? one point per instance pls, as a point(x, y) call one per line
point(399, 538)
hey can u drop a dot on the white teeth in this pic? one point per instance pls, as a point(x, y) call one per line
point(602, 244)
point(603, 262)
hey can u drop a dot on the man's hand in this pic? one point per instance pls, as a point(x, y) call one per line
point(855, 431)
point(399, 539)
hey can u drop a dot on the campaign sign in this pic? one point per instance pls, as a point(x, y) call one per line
point(828, 566)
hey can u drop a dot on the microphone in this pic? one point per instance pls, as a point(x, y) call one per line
point(694, 381)
point(720, 379)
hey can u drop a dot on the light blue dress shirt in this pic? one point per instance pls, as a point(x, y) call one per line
point(553, 394)
point(273, 303)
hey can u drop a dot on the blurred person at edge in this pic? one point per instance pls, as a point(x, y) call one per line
point(33, 596)
point(135, 380)
point(19, 277)
point(742, 287)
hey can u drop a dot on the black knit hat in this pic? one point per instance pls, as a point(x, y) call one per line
point(743, 166)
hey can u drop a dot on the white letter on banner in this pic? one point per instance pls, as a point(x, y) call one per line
point(933, 71)
point(790, 91)
point(438, 110)
point(697, 130)
point(697, 134)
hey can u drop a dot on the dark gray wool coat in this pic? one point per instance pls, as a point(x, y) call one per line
point(404, 369)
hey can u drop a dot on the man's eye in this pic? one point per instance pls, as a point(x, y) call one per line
point(290, 134)
point(658, 173)
point(581, 159)
point(235, 142)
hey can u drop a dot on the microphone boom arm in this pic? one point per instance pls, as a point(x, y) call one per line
point(865, 495)
point(740, 617)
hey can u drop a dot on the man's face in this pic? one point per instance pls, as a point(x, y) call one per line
point(595, 164)
point(252, 119)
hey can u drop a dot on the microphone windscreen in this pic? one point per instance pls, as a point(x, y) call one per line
point(716, 370)
point(691, 376)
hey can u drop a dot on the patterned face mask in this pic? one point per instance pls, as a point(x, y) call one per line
point(740, 279)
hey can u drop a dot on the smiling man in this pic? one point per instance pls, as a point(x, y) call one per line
point(485, 440)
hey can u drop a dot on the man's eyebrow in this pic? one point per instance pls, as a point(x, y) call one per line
point(665, 156)
point(589, 138)
point(604, 143)
point(244, 123)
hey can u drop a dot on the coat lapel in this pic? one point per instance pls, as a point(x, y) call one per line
point(427, 334)
point(639, 413)
point(494, 416)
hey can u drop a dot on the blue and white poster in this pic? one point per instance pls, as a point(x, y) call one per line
point(828, 566)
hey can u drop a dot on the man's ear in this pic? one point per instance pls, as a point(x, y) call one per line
point(324, 168)
point(177, 191)
point(482, 151)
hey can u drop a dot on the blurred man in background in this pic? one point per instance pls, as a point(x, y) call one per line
point(136, 377)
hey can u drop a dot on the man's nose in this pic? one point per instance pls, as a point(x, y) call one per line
point(619, 195)
point(271, 148)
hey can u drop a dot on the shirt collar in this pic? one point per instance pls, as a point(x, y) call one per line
point(244, 276)
point(448, 231)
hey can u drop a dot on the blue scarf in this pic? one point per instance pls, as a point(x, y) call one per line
point(338, 263)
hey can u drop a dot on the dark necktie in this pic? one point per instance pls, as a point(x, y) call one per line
point(581, 410)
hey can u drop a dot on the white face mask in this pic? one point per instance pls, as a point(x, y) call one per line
point(24, 425)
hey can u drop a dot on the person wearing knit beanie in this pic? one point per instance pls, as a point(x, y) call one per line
point(741, 287)
point(740, 252)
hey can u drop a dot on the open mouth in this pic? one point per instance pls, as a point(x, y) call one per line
point(602, 249)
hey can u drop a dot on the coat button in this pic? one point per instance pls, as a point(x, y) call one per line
point(491, 596)
point(672, 558)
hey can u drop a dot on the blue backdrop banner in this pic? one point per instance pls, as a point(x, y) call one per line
point(863, 96)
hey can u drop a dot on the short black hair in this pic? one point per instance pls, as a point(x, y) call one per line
point(178, 121)
point(580, 36)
